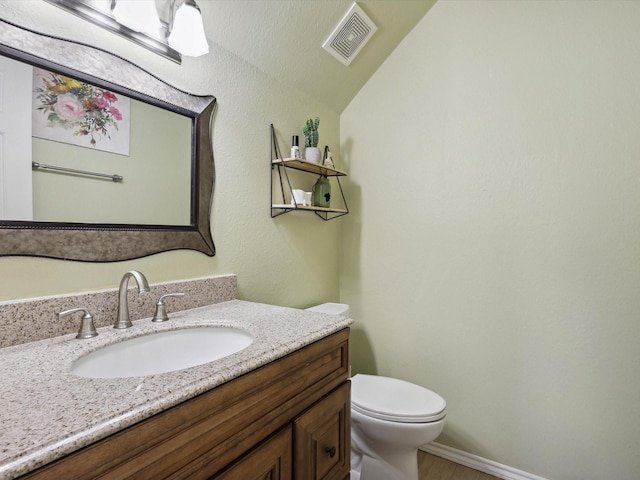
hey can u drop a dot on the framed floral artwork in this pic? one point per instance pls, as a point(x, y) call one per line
point(70, 111)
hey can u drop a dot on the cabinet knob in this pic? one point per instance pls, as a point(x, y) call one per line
point(331, 451)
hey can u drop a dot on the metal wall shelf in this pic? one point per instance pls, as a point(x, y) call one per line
point(281, 166)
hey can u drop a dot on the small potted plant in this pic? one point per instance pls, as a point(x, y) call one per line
point(310, 131)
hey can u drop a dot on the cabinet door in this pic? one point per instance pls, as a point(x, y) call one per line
point(322, 438)
point(269, 461)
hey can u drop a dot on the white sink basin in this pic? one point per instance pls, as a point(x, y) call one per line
point(162, 352)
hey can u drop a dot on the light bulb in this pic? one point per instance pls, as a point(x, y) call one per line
point(187, 35)
point(138, 15)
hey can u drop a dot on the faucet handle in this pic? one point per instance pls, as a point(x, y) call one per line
point(161, 311)
point(87, 329)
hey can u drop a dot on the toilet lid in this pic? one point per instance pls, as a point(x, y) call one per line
point(395, 400)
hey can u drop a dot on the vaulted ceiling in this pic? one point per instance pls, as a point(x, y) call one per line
point(284, 39)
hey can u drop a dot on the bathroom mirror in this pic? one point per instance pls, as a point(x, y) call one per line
point(134, 228)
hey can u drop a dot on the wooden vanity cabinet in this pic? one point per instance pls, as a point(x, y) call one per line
point(318, 441)
point(287, 420)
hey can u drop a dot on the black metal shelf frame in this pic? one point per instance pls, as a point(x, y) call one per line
point(283, 164)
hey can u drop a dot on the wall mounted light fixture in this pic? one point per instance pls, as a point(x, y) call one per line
point(141, 16)
point(182, 33)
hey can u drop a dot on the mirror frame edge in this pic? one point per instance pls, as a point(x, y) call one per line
point(115, 242)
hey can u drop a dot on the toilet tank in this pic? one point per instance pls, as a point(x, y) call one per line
point(332, 308)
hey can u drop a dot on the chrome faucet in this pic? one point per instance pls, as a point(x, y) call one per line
point(123, 305)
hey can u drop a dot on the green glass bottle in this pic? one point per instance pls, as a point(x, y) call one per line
point(321, 196)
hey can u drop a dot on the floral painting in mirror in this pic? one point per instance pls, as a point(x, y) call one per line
point(70, 111)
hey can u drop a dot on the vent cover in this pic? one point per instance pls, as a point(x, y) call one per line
point(351, 34)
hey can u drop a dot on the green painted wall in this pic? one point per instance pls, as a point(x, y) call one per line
point(494, 250)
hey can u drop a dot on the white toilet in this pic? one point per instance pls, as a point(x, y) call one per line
point(390, 420)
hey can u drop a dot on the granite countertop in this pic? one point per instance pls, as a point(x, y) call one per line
point(46, 412)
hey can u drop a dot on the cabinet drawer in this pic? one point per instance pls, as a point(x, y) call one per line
point(271, 460)
point(322, 438)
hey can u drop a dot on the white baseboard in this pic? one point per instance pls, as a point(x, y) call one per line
point(478, 463)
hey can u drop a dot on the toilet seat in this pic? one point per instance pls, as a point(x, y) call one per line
point(395, 400)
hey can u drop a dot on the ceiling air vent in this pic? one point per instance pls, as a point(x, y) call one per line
point(351, 34)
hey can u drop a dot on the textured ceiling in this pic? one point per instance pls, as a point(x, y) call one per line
point(284, 38)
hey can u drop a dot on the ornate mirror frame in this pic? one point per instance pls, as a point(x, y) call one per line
point(114, 242)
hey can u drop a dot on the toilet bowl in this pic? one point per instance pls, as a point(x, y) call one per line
point(390, 420)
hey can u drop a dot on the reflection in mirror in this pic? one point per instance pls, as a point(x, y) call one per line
point(74, 125)
point(91, 112)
